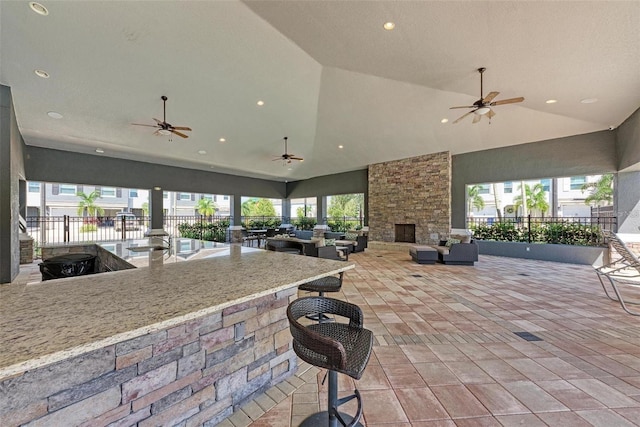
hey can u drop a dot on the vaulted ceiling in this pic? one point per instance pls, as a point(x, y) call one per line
point(328, 73)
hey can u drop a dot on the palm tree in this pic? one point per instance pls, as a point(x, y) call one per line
point(206, 207)
point(535, 199)
point(145, 208)
point(601, 191)
point(496, 200)
point(474, 200)
point(87, 206)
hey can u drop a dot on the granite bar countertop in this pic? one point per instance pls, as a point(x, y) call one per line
point(42, 323)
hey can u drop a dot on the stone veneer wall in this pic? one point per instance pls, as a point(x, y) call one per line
point(411, 191)
point(193, 374)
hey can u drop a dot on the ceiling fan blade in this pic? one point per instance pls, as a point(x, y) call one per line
point(490, 97)
point(462, 117)
point(180, 128)
point(296, 158)
point(507, 101)
point(466, 106)
point(490, 114)
point(476, 118)
point(158, 121)
point(178, 133)
point(140, 124)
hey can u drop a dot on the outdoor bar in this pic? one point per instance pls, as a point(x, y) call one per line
point(202, 336)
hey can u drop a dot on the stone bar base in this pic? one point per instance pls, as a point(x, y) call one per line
point(26, 249)
point(198, 372)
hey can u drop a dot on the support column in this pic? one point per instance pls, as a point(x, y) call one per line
point(156, 206)
point(321, 210)
point(235, 229)
point(286, 211)
point(627, 200)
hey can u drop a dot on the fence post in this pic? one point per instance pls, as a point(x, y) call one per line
point(201, 227)
point(529, 228)
point(65, 228)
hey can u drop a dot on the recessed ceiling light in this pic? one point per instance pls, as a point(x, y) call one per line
point(157, 188)
point(444, 121)
point(202, 152)
point(260, 103)
point(38, 8)
point(551, 101)
point(42, 73)
point(289, 169)
point(99, 150)
point(222, 140)
point(389, 26)
point(340, 146)
point(589, 100)
point(54, 115)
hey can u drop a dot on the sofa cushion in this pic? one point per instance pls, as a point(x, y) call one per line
point(329, 242)
point(463, 238)
point(319, 241)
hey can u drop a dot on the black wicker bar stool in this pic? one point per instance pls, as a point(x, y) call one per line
point(322, 285)
point(337, 347)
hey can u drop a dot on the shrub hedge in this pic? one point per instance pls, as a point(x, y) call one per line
point(565, 232)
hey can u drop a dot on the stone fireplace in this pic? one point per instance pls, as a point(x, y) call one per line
point(405, 233)
point(414, 191)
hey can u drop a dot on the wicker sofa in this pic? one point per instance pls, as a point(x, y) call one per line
point(457, 250)
point(356, 239)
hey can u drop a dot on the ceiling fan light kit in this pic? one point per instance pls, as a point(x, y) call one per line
point(482, 107)
point(164, 128)
point(286, 157)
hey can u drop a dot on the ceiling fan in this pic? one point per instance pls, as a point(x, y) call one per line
point(164, 128)
point(286, 157)
point(482, 107)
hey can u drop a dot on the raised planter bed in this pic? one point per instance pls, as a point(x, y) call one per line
point(572, 254)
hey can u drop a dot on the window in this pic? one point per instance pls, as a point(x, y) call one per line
point(225, 197)
point(108, 192)
point(508, 187)
point(207, 196)
point(184, 196)
point(165, 195)
point(68, 189)
point(577, 182)
point(546, 184)
point(34, 187)
point(133, 194)
point(484, 189)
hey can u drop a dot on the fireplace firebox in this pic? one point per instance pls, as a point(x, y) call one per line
point(406, 233)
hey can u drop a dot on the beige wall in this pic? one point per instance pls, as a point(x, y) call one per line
point(411, 191)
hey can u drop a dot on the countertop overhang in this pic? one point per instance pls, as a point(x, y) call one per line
point(46, 322)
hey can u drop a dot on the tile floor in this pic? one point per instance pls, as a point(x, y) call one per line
point(446, 352)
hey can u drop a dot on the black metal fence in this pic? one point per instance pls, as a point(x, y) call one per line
point(586, 231)
point(69, 229)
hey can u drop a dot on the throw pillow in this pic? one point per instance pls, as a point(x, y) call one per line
point(451, 241)
point(351, 236)
point(464, 238)
point(329, 242)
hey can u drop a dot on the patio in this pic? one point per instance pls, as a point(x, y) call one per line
point(446, 353)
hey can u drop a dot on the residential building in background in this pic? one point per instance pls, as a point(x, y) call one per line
point(62, 199)
point(503, 196)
